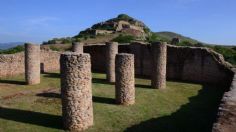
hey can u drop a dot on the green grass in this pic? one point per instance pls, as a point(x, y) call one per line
point(182, 107)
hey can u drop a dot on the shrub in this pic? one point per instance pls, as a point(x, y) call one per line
point(124, 39)
point(228, 53)
point(185, 43)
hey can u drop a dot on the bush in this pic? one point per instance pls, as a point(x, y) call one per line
point(228, 53)
point(124, 17)
point(155, 38)
point(124, 39)
point(185, 43)
point(152, 38)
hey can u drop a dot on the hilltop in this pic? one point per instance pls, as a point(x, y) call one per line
point(123, 29)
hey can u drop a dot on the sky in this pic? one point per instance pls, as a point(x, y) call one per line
point(210, 21)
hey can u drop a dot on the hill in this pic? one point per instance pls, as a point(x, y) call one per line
point(125, 29)
point(4, 46)
point(170, 35)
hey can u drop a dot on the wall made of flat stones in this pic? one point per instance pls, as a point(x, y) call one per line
point(50, 60)
point(226, 121)
point(200, 65)
point(13, 64)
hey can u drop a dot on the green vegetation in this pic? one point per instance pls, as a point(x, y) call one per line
point(125, 17)
point(170, 35)
point(103, 27)
point(155, 38)
point(181, 107)
point(14, 50)
point(66, 40)
point(124, 39)
point(229, 53)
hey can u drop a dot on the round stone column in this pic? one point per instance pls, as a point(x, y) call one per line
point(76, 91)
point(125, 80)
point(32, 64)
point(111, 51)
point(159, 52)
point(78, 47)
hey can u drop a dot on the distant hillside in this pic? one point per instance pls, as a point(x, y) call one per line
point(170, 35)
point(4, 46)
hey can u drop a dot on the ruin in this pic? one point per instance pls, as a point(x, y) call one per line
point(192, 64)
point(32, 64)
point(76, 91)
point(78, 47)
point(111, 51)
point(159, 51)
point(125, 83)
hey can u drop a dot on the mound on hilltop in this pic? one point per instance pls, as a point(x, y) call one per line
point(122, 29)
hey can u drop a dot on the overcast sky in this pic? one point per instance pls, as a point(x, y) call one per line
point(211, 21)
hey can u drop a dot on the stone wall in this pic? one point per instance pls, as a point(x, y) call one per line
point(50, 60)
point(226, 121)
point(200, 65)
point(13, 64)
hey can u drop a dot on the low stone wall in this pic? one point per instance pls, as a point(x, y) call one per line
point(50, 61)
point(13, 64)
point(200, 65)
point(226, 121)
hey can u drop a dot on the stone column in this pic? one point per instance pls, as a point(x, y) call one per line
point(159, 52)
point(111, 51)
point(32, 64)
point(78, 47)
point(125, 80)
point(76, 91)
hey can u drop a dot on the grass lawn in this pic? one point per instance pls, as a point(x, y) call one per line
point(182, 107)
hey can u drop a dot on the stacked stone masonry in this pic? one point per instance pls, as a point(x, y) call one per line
point(111, 51)
point(78, 47)
point(125, 83)
point(32, 64)
point(9, 63)
point(200, 65)
point(226, 121)
point(76, 91)
point(159, 51)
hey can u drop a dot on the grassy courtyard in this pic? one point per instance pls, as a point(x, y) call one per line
point(182, 107)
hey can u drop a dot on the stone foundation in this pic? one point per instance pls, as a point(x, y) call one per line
point(125, 83)
point(111, 51)
point(76, 91)
point(159, 51)
point(32, 64)
point(78, 47)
